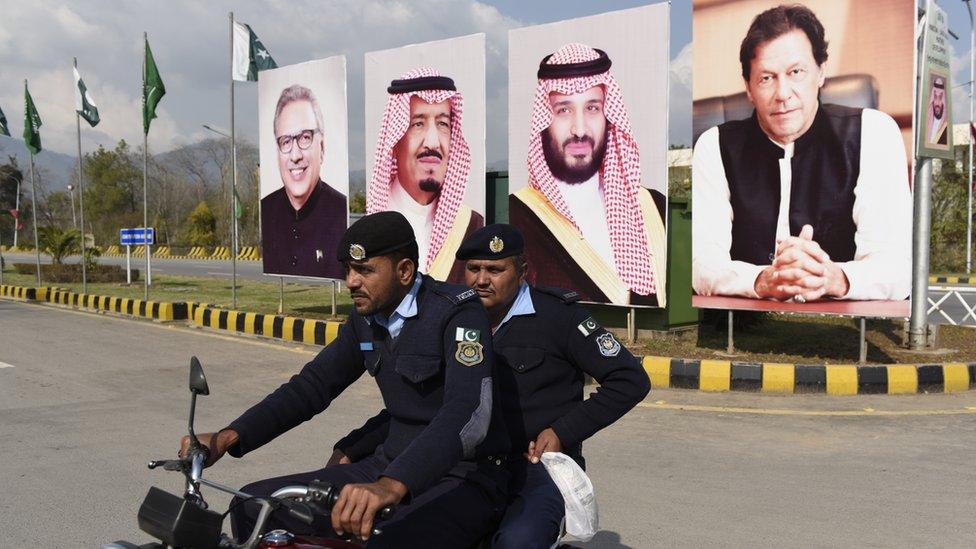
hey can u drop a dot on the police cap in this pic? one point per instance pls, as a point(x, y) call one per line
point(376, 234)
point(494, 241)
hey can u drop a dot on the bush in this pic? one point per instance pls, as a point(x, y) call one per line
point(72, 272)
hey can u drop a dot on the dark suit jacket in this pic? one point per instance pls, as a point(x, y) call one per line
point(303, 242)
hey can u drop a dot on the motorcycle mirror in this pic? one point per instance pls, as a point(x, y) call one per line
point(198, 381)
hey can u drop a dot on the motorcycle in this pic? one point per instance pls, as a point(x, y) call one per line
point(187, 521)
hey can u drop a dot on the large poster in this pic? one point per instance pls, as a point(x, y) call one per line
point(304, 167)
point(935, 128)
point(425, 143)
point(800, 174)
point(588, 130)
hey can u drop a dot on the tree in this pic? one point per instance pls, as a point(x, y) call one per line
point(58, 243)
point(357, 203)
point(10, 179)
point(113, 191)
point(201, 226)
point(948, 243)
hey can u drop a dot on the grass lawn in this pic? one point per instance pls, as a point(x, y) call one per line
point(761, 338)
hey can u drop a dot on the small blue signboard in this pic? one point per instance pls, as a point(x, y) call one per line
point(137, 236)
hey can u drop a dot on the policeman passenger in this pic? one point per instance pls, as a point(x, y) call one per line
point(544, 343)
point(428, 346)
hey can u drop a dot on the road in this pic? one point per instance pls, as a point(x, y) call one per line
point(86, 400)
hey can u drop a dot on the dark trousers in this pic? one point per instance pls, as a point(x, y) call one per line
point(535, 510)
point(453, 513)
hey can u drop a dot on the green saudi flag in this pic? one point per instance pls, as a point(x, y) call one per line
point(238, 208)
point(3, 125)
point(250, 55)
point(84, 104)
point(152, 89)
point(32, 124)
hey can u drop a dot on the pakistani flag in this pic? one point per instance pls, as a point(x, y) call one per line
point(84, 104)
point(32, 124)
point(3, 125)
point(238, 208)
point(250, 55)
point(152, 89)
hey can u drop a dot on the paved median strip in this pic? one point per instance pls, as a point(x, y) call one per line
point(664, 372)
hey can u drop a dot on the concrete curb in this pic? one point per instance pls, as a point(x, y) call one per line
point(664, 372)
point(892, 379)
point(289, 328)
point(970, 280)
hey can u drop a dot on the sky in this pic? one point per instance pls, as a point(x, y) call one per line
point(189, 40)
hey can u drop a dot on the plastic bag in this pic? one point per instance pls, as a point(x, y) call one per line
point(582, 516)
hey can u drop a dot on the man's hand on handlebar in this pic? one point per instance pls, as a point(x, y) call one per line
point(217, 443)
point(359, 503)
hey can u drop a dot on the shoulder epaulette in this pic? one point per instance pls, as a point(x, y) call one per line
point(569, 296)
point(455, 293)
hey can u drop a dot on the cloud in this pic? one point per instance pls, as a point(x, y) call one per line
point(960, 91)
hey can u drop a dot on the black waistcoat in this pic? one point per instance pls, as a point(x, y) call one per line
point(825, 167)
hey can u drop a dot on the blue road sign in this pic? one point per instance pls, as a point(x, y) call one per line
point(137, 236)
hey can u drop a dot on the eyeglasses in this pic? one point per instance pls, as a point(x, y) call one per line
point(304, 139)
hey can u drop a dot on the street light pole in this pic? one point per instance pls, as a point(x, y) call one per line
point(71, 193)
point(969, 182)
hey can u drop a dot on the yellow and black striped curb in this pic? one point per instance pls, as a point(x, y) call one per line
point(892, 379)
point(247, 253)
point(952, 280)
point(156, 310)
point(289, 328)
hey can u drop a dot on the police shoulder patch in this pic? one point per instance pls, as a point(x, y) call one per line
point(469, 353)
point(467, 334)
point(588, 326)
point(608, 345)
point(568, 296)
point(466, 295)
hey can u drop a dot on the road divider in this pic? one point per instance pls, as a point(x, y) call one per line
point(832, 379)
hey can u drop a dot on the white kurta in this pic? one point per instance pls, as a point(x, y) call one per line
point(882, 214)
point(586, 204)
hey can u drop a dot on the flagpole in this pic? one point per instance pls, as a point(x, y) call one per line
point(233, 170)
point(81, 198)
point(17, 207)
point(37, 250)
point(145, 173)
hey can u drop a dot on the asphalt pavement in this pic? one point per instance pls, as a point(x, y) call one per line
point(87, 399)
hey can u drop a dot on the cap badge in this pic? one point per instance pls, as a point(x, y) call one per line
point(496, 245)
point(357, 252)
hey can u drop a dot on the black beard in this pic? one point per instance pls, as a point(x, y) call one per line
point(937, 111)
point(430, 185)
point(556, 159)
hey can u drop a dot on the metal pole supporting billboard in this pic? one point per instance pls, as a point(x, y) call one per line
point(918, 324)
point(969, 182)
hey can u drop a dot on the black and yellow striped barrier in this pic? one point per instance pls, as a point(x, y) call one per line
point(156, 310)
point(722, 375)
point(18, 292)
point(301, 330)
point(952, 280)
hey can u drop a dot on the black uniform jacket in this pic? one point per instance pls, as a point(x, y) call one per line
point(541, 360)
point(303, 243)
point(438, 390)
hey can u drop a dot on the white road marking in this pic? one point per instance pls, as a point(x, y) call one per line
point(5, 365)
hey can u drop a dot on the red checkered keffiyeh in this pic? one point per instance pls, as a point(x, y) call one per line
point(619, 175)
point(396, 120)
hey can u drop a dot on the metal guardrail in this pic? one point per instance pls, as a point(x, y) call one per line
point(949, 308)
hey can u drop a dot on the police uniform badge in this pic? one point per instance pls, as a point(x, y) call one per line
point(357, 252)
point(609, 346)
point(496, 245)
point(470, 353)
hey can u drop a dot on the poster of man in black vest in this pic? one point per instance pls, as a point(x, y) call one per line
point(803, 201)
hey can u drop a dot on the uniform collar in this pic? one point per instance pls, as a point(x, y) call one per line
point(521, 306)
